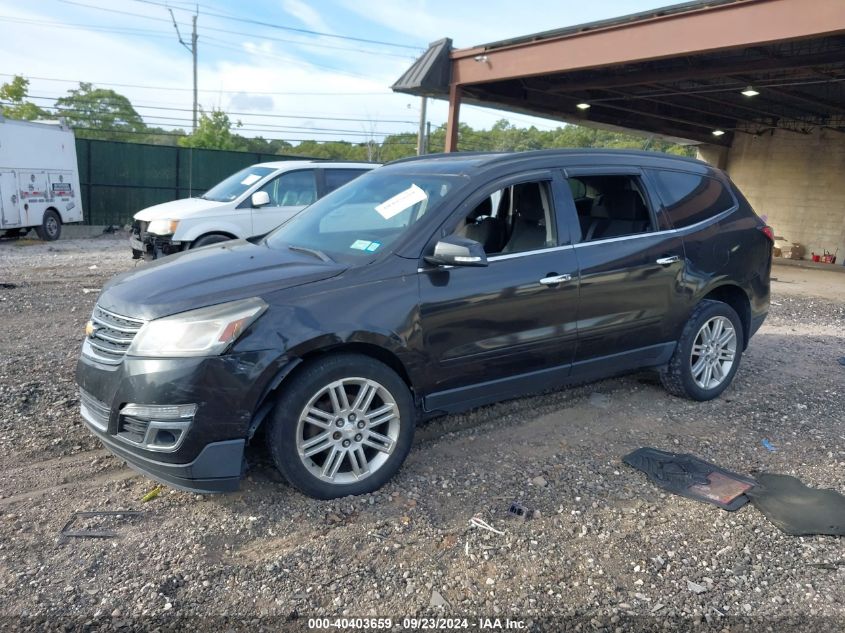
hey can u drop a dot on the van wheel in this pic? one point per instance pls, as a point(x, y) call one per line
point(343, 426)
point(51, 226)
point(707, 356)
point(214, 238)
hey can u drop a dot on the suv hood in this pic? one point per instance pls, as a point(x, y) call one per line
point(211, 275)
point(178, 209)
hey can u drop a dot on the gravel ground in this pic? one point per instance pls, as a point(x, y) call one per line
point(604, 549)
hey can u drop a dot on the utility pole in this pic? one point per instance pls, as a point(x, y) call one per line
point(192, 49)
point(421, 136)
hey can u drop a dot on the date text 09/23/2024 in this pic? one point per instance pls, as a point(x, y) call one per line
point(414, 623)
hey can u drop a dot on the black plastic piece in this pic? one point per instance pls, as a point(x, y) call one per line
point(797, 509)
point(689, 476)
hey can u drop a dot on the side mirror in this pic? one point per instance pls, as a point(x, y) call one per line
point(260, 199)
point(457, 251)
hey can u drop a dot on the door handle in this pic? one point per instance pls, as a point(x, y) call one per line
point(553, 280)
point(665, 261)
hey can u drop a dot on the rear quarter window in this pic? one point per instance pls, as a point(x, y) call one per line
point(691, 198)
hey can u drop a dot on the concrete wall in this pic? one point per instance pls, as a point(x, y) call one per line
point(797, 180)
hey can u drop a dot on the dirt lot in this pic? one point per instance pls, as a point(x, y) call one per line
point(606, 549)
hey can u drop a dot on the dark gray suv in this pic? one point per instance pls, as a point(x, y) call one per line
point(427, 286)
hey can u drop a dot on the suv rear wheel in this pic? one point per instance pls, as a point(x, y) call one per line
point(708, 354)
point(343, 426)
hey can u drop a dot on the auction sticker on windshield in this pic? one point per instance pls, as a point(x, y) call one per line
point(251, 179)
point(365, 245)
point(401, 201)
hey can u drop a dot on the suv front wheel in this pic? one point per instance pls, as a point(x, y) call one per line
point(708, 353)
point(342, 426)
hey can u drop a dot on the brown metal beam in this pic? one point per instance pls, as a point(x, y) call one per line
point(452, 123)
point(552, 106)
point(728, 120)
point(728, 26)
point(820, 105)
point(729, 104)
point(697, 72)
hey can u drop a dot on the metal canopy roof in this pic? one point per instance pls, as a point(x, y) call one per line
point(677, 72)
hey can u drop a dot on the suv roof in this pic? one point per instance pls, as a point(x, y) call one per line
point(279, 164)
point(463, 162)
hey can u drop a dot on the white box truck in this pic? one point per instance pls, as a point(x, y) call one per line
point(39, 179)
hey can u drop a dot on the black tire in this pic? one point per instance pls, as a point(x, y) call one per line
point(307, 383)
point(214, 238)
point(51, 226)
point(677, 377)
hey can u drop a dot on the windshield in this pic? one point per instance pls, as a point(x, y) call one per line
point(363, 218)
point(236, 184)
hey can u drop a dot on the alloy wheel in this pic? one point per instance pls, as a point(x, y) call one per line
point(348, 430)
point(713, 352)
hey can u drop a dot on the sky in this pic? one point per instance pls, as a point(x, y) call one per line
point(257, 64)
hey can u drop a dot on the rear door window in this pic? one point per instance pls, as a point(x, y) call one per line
point(610, 205)
point(690, 198)
point(334, 178)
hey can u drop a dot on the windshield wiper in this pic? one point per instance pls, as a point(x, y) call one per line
point(311, 251)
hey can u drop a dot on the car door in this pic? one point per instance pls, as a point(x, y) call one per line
point(9, 206)
point(507, 328)
point(289, 193)
point(630, 283)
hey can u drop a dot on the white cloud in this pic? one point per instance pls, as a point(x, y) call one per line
point(236, 77)
point(305, 14)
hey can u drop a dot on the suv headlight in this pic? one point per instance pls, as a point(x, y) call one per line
point(204, 332)
point(163, 227)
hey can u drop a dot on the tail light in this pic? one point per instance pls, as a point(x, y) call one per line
point(768, 232)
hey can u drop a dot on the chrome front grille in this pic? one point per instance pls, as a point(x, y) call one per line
point(111, 336)
point(95, 412)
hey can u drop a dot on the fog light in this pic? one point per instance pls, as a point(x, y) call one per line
point(155, 427)
point(160, 411)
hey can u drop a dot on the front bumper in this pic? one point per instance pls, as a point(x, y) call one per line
point(149, 246)
point(218, 467)
point(226, 390)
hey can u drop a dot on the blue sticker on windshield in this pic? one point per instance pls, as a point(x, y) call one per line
point(373, 246)
point(361, 245)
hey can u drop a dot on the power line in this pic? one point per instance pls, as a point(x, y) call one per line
point(121, 30)
point(313, 44)
point(87, 117)
point(291, 28)
point(183, 135)
point(155, 33)
point(274, 116)
point(210, 90)
point(228, 46)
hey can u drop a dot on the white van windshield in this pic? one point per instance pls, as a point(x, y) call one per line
point(361, 219)
point(233, 186)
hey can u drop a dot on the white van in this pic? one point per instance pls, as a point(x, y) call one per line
point(39, 180)
point(249, 203)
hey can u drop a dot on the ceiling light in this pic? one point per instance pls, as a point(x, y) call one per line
point(750, 92)
point(583, 106)
point(718, 132)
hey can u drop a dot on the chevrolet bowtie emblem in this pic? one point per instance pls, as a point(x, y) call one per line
point(90, 328)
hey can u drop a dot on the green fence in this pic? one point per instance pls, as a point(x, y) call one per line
point(119, 179)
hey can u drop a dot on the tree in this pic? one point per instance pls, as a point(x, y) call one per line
point(14, 94)
point(214, 131)
point(100, 113)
